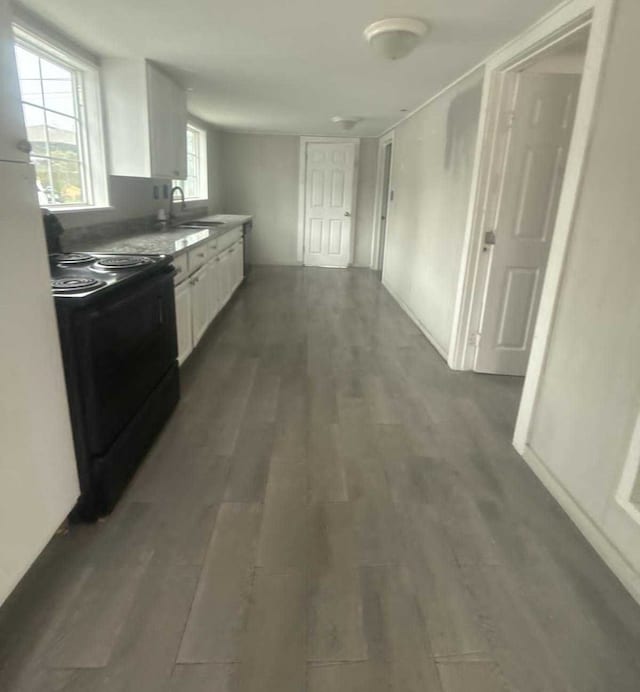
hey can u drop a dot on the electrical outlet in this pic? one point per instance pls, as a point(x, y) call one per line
point(156, 192)
point(165, 191)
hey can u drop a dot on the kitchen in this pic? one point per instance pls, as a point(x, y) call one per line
point(236, 455)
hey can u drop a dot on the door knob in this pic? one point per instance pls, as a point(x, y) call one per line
point(24, 145)
point(489, 240)
point(347, 213)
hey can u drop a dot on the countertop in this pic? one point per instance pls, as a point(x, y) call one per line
point(172, 241)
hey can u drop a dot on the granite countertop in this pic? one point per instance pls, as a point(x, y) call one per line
point(171, 241)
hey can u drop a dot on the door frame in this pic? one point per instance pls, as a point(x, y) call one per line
point(376, 249)
point(302, 184)
point(551, 29)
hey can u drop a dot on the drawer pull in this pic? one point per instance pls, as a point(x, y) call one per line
point(201, 254)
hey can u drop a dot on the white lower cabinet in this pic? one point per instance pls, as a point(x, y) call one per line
point(183, 320)
point(200, 297)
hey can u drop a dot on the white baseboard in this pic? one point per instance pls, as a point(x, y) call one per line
point(430, 338)
point(613, 558)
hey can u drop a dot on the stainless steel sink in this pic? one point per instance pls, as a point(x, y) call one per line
point(201, 224)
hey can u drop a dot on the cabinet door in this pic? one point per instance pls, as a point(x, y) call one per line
point(167, 125)
point(213, 288)
point(161, 123)
point(236, 266)
point(224, 281)
point(239, 259)
point(183, 320)
point(200, 304)
point(12, 132)
point(179, 128)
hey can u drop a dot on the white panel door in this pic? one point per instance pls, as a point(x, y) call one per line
point(529, 190)
point(38, 476)
point(328, 203)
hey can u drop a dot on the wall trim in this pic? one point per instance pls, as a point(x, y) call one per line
point(630, 477)
point(302, 177)
point(430, 338)
point(600, 542)
point(554, 27)
point(597, 49)
point(377, 200)
point(482, 63)
point(49, 34)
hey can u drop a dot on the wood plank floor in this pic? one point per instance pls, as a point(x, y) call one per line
point(330, 509)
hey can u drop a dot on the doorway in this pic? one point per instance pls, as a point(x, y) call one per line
point(382, 202)
point(328, 189)
point(534, 125)
point(386, 180)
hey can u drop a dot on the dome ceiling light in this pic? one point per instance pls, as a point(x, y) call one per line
point(346, 123)
point(395, 38)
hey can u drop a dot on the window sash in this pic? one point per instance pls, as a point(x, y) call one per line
point(85, 92)
point(195, 184)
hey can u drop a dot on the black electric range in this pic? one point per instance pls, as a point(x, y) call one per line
point(116, 319)
point(83, 276)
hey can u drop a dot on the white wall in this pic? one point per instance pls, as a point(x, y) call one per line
point(260, 177)
point(589, 395)
point(431, 179)
point(132, 198)
point(215, 170)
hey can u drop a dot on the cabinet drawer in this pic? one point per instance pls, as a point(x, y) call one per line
point(228, 239)
point(198, 257)
point(182, 269)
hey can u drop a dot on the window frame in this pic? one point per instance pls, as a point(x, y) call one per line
point(91, 140)
point(203, 172)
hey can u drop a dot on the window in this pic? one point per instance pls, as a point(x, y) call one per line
point(61, 112)
point(195, 185)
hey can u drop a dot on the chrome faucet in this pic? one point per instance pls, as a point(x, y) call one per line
point(183, 204)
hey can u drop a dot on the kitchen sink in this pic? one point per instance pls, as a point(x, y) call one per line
point(201, 224)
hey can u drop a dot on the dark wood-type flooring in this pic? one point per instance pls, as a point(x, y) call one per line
point(330, 509)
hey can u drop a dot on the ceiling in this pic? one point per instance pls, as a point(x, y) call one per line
point(289, 66)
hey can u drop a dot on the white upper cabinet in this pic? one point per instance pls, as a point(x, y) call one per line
point(146, 120)
point(13, 137)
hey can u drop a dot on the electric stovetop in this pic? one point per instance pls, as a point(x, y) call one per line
point(82, 276)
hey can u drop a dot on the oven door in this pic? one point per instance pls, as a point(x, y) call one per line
point(126, 345)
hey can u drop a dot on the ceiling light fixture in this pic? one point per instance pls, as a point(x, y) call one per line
point(346, 123)
point(395, 38)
